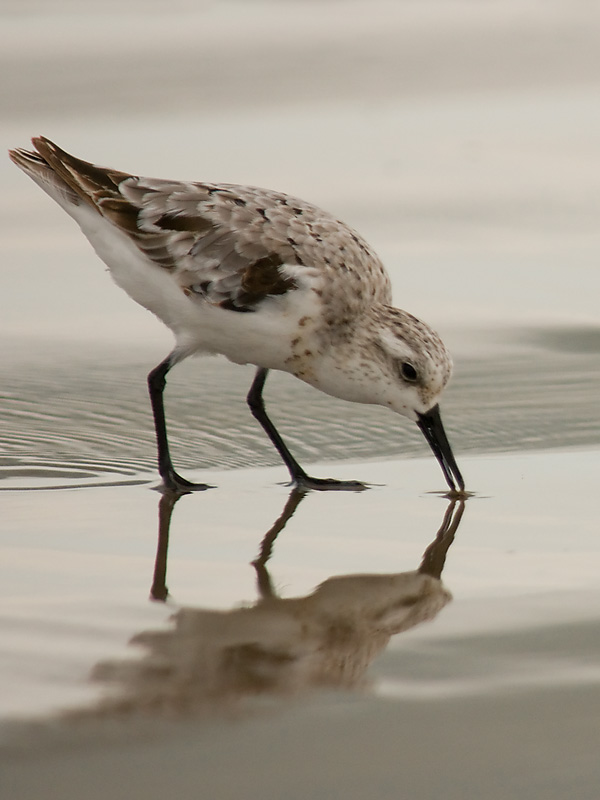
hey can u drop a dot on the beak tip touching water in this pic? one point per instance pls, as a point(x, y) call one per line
point(430, 424)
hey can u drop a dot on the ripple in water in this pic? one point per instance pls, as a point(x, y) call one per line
point(69, 422)
point(27, 477)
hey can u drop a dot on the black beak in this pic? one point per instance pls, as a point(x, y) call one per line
point(433, 430)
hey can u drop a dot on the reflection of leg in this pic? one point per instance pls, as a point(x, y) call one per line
point(434, 556)
point(156, 386)
point(298, 475)
point(265, 587)
point(166, 504)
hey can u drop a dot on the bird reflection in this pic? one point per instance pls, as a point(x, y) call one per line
point(218, 660)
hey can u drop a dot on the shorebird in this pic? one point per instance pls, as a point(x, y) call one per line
point(261, 278)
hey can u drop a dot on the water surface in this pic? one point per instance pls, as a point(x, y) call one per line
point(370, 646)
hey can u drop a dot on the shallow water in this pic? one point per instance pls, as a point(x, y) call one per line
point(374, 650)
point(73, 416)
point(379, 660)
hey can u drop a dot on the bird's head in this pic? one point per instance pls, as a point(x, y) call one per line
point(418, 367)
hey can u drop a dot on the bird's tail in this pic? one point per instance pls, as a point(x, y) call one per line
point(45, 173)
point(68, 180)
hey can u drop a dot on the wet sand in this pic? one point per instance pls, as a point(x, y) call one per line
point(245, 642)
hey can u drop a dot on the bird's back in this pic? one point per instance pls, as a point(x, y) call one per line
point(228, 245)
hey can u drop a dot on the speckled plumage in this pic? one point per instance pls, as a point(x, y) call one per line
point(253, 274)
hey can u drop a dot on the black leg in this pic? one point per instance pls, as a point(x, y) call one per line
point(298, 475)
point(156, 386)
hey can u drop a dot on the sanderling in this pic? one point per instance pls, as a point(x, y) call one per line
point(261, 278)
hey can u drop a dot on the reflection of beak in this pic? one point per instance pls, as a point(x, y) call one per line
point(433, 430)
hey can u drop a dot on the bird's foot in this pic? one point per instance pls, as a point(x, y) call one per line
point(172, 482)
point(306, 483)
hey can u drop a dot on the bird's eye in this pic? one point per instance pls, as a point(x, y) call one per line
point(409, 373)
